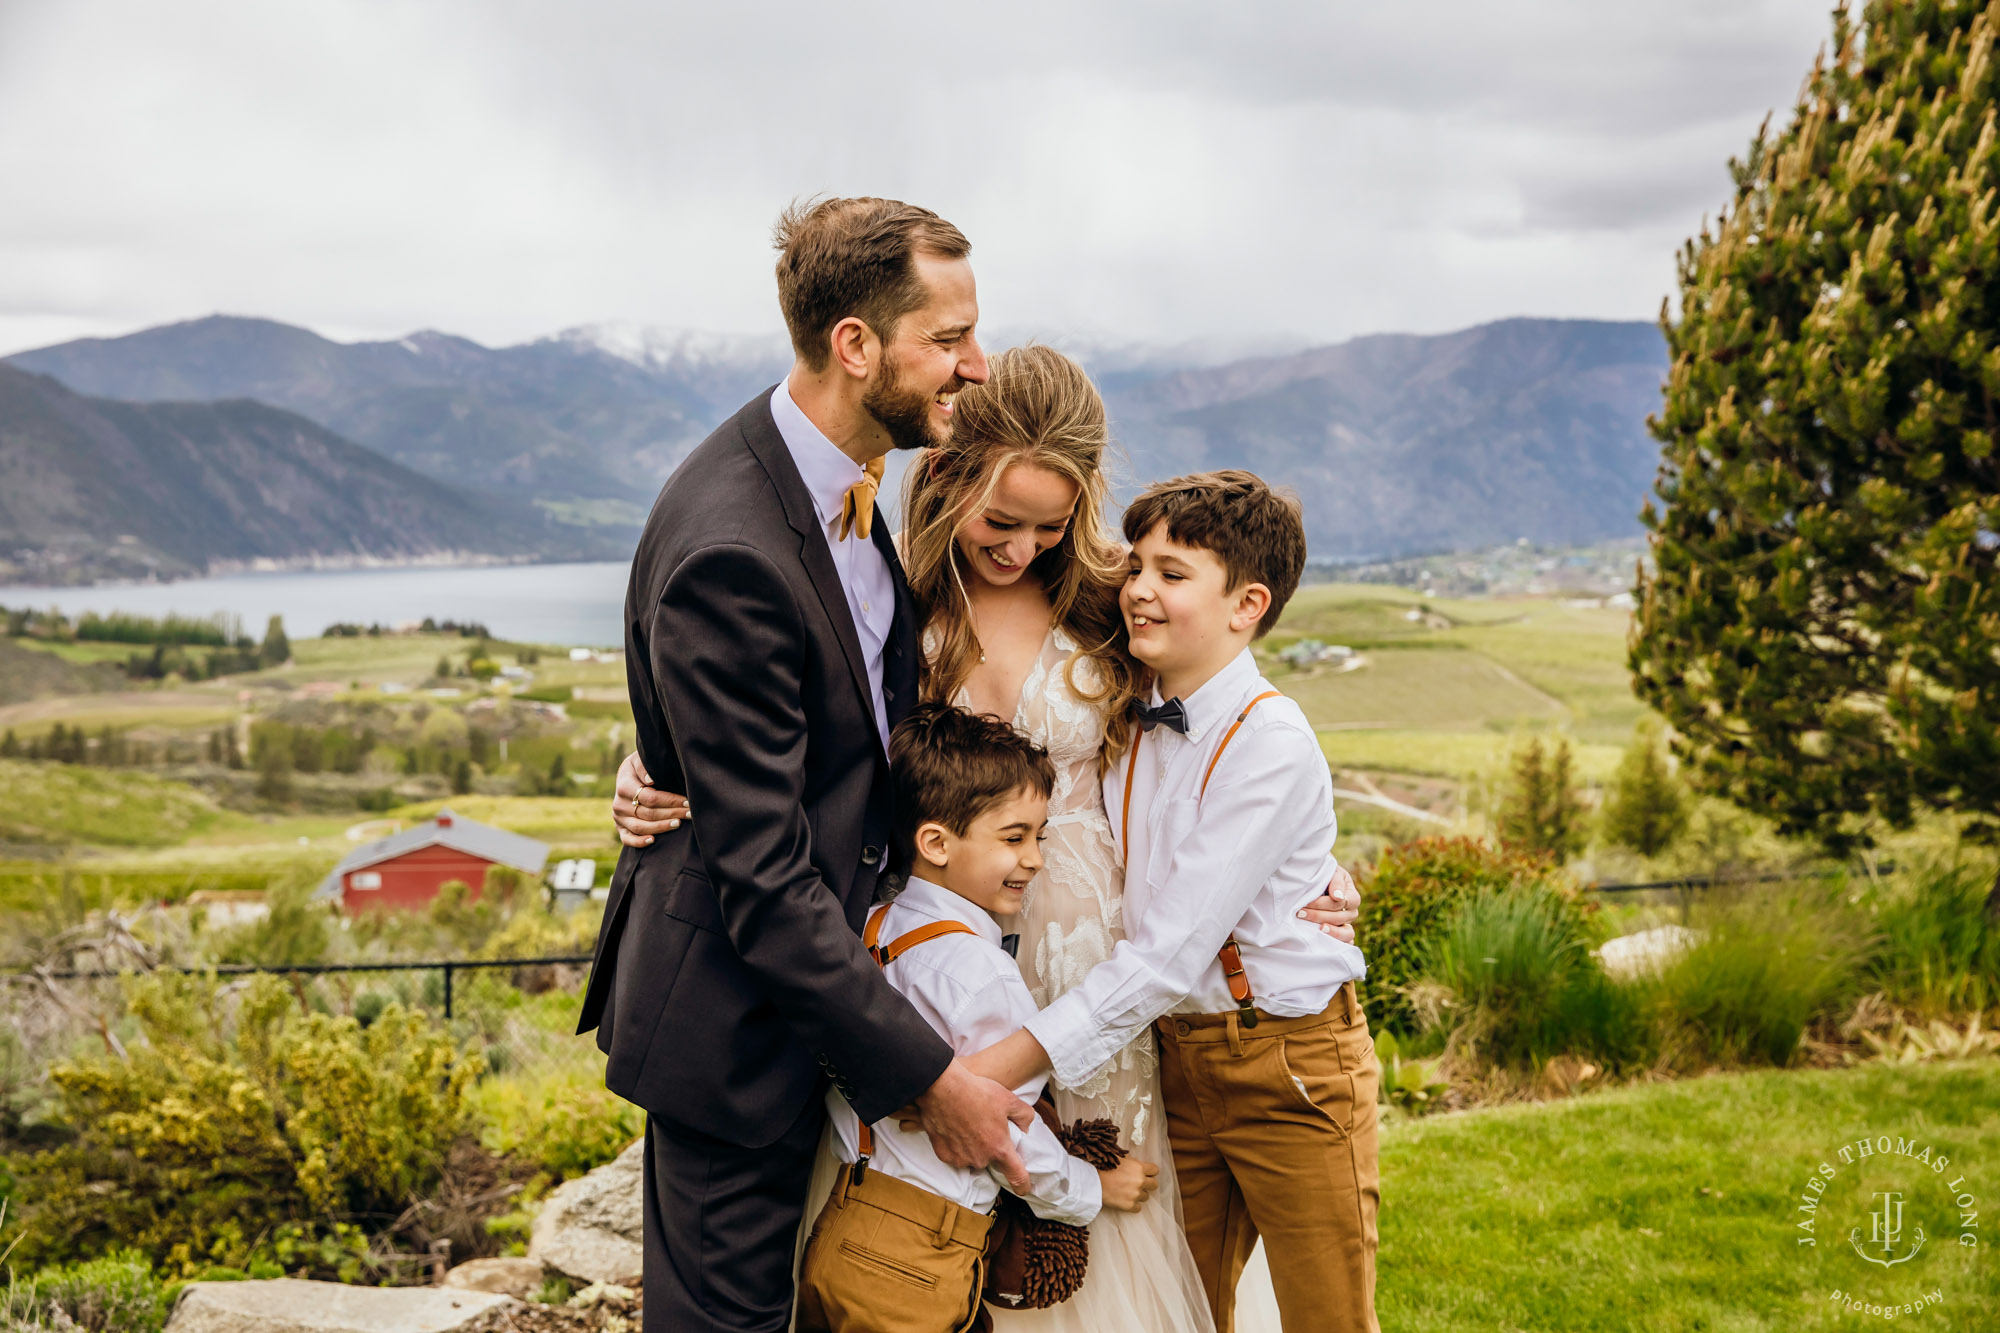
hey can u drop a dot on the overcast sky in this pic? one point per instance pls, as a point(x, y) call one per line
point(1161, 172)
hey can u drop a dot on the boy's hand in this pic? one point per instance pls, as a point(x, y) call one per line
point(1130, 1185)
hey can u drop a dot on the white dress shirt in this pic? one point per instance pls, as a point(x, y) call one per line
point(1243, 859)
point(864, 574)
point(970, 990)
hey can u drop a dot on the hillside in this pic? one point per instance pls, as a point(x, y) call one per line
point(92, 488)
point(1398, 443)
point(562, 419)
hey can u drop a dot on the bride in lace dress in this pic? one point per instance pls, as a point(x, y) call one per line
point(1010, 557)
point(1007, 548)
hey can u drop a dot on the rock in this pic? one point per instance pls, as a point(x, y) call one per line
point(590, 1227)
point(510, 1277)
point(288, 1305)
point(1646, 951)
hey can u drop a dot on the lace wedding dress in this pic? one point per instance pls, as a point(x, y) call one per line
point(1141, 1278)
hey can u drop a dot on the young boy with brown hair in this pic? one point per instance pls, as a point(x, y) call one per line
point(1224, 812)
point(900, 1246)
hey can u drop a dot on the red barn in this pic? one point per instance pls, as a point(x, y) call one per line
point(405, 870)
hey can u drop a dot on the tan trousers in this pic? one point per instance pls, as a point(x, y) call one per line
point(1273, 1131)
point(887, 1256)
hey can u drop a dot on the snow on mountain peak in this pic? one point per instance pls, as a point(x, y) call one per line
point(658, 346)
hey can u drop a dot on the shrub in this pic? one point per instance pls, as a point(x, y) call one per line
point(1541, 809)
point(229, 1122)
point(115, 1294)
point(1764, 966)
point(294, 929)
point(1517, 982)
point(1647, 808)
point(1940, 951)
point(1414, 892)
point(565, 1122)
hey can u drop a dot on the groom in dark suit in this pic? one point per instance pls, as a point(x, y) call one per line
point(770, 645)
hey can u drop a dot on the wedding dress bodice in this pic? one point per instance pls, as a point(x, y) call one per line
point(1070, 917)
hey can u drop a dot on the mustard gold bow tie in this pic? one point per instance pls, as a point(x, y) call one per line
point(857, 507)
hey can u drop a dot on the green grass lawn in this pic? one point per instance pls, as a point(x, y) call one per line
point(1670, 1207)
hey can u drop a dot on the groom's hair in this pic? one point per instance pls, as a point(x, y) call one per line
point(841, 257)
point(950, 766)
point(1259, 534)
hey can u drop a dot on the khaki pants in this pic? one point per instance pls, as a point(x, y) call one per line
point(1273, 1131)
point(887, 1256)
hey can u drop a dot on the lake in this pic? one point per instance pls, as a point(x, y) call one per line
point(577, 604)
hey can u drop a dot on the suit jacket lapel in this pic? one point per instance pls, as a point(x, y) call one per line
point(768, 445)
point(899, 669)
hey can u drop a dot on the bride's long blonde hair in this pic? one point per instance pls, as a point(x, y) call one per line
point(1037, 408)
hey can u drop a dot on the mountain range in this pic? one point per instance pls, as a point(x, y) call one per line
point(92, 486)
point(1397, 443)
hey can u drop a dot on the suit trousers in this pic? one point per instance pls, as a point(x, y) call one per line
point(721, 1223)
point(1273, 1132)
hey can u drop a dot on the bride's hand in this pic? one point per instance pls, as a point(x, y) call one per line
point(640, 812)
point(1335, 910)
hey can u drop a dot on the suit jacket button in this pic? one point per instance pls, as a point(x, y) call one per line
point(870, 855)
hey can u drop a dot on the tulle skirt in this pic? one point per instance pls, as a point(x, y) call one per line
point(1141, 1277)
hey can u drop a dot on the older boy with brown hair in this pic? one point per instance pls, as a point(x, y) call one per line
point(1224, 811)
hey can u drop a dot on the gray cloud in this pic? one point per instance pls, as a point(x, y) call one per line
point(1163, 172)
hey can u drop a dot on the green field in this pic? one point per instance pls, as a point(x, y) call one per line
point(1447, 693)
point(1669, 1207)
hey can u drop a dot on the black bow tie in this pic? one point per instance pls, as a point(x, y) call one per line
point(1169, 713)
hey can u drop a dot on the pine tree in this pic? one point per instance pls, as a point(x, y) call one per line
point(276, 649)
point(461, 778)
point(274, 774)
point(1541, 810)
point(1647, 808)
point(1820, 627)
point(10, 748)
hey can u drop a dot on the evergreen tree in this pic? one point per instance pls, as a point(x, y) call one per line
point(1647, 808)
point(1821, 623)
point(443, 671)
point(10, 747)
point(1541, 810)
point(461, 778)
point(276, 649)
point(274, 774)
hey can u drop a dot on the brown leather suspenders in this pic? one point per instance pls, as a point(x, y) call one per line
point(885, 954)
point(1230, 956)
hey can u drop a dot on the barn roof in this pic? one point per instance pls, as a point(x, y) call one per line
point(446, 830)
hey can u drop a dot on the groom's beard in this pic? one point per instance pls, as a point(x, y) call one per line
point(904, 413)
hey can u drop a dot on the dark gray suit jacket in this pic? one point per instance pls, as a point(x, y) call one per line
point(730, 980)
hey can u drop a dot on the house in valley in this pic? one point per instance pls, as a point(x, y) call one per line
point(405, 870)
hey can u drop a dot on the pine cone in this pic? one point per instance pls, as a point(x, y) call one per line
point(1095, 1141)
point(1057, 1257)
